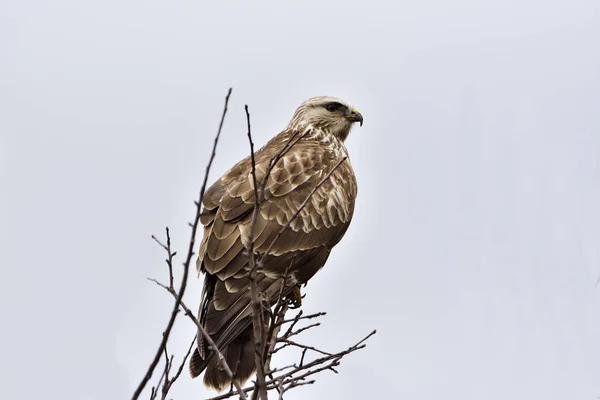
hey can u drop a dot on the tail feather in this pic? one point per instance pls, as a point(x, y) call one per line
point(197, 364)
point(239, 355)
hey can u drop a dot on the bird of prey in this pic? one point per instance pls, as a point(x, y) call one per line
point(296, 161)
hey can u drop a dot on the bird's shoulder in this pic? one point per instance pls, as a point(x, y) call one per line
point(291, 160)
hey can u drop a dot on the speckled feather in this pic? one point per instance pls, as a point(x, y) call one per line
point(225, 309)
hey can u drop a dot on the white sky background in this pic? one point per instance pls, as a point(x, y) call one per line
point(474, 248)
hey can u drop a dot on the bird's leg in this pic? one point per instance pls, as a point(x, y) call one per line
point(295, 297)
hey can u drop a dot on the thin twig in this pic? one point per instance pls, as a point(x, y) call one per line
point(296, 384)
point(300, 316)
point(167, 364)
point(297, 318)
point(302, 357)
point(173, 293)
point(288, 343)
point(272, 337)
point(308, 369)
point(256, 199)
point(332, 361)
point(304, 328)
point(187, 354)
point(169, 383)
point(257, 313)
point(275, 370)
point(278, 315)
point(170, 253)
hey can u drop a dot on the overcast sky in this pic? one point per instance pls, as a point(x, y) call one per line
point(475, 245)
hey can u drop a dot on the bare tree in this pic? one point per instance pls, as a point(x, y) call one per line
point(281, 330)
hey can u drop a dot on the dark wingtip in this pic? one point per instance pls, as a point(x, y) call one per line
point(197, 364)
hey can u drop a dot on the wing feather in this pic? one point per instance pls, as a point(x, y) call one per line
point(303, 247)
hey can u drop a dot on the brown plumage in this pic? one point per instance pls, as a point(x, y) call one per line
point(314, 145)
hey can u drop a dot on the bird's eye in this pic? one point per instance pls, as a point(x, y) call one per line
point(332, 107)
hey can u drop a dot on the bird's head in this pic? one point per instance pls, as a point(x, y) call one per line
point(330, 114)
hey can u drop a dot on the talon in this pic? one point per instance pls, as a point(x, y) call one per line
point(295, 297)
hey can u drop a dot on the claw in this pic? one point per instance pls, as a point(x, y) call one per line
point(295, 297)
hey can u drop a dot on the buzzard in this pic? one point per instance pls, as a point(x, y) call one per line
point(296, 161)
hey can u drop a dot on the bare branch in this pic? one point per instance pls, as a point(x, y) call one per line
point(301, 316)
point(304, 328)
point(192, 244)
point(169, 382)
point(296, 374)
point(287, 343)
point(185, 308)
point(257, 313)
point(182, 365)
point(256, 199)
point(170, 253)
point(330, 361)
point(277, 316)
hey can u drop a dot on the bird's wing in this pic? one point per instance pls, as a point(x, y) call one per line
point(303, 247)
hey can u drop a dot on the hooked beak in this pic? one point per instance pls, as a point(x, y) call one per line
point(355, 116)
